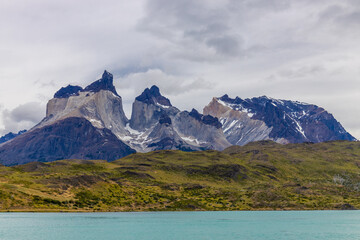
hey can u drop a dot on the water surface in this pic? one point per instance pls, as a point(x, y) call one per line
point(322, 225)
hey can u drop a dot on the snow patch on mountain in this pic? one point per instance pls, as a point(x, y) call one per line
point(237, 107)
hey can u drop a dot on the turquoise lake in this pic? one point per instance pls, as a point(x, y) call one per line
point(324, 225)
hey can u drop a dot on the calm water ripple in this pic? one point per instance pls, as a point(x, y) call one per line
point(269, 225)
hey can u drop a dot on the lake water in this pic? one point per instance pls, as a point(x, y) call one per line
point(324, 225)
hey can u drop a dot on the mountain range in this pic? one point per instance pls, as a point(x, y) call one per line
point(90, 123)
point(10, 136)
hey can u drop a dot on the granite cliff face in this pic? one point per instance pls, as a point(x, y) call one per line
point(283, 121)
point(201, 130)
point(98, 103)
point(184, 130)
point(165, 137)
point(149, 107)
point(80, 123)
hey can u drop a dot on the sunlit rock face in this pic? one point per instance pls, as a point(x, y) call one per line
point(283, 121)
point(149, 107)
point(201, 130)
point(98, 103)
point(164, 136)
point(80, 123)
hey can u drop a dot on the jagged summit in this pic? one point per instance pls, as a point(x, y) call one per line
point(98, 103)
point(235, 100)
point(148, 108)
point(226, 98)
point(153, 96)
point(206, 119)
point(10, 135)
point(104, 83)
point(263, 100)
point(68, 91)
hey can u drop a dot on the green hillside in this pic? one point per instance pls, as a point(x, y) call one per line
point(258, 176)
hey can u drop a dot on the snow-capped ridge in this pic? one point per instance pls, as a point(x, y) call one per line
point(282, 120)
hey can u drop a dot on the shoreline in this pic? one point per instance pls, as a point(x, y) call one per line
point(85, 211)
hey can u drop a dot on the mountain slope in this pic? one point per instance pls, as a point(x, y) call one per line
point(70, 138)
point(280, 120)
point(259, 176)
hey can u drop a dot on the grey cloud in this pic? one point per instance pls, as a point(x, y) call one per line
point(50, 83)
point(331, 12)
point(226, 45)
point(351, 18)
point(168, 84)
point(342, 15)
point(276, 5)
point(183, 15)
point(301, 72)
point(195, 23)
point(22, 117)
point(207, 30)
point(31, 112)
point(262, 5)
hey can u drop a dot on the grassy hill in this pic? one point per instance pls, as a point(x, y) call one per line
point(258, 176)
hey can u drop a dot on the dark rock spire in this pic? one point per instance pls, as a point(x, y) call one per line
point(104, 83)
point(68, 91)
point(153, 96)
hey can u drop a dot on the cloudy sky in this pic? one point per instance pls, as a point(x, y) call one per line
point(193, 50)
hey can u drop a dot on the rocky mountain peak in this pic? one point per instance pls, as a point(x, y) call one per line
point(68, 91)
point(230, 100)
point(104, 83)
point(107, 75)
point(226, 98)
point(153, 96)
point(148, 108)
point(206, 119)
point(10, 135)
